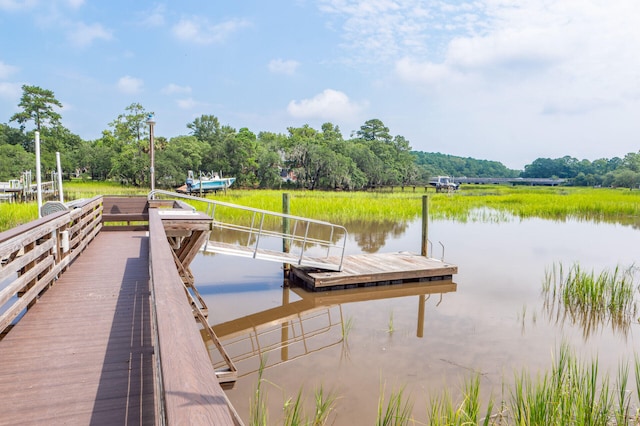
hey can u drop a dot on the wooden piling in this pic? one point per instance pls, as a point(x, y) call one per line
point(425, 225)
point(421, 301)
point(286, 229)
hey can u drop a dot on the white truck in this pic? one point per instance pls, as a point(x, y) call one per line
point(444, 184)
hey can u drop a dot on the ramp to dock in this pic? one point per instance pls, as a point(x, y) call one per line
point(83, 352)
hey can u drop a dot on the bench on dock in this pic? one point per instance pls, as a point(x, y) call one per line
point(127, 210)
point(121, 213)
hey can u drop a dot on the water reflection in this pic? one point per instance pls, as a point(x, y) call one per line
point(312, 322)
point(482, 327)
point(371, 236)
point(591, 322)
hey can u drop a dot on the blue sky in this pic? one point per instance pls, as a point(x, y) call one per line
point(502, 80)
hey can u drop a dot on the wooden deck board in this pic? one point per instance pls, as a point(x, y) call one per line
point(83, 354)
point(375, 269)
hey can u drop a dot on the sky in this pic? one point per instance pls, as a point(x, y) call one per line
point(501, 80)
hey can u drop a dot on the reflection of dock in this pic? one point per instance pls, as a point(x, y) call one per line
point(313, 323)
point(365, 270)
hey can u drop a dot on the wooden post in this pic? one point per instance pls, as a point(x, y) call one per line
point(284, 328)
point(421, 301)
point(286, 229)
point(425, 225)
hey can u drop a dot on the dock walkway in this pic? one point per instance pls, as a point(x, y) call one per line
point(83, 354)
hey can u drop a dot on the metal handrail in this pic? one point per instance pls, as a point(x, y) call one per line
point(257, 231)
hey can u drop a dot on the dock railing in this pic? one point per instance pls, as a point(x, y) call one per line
point(33, 255)
point(259, 234)
point(186, 385)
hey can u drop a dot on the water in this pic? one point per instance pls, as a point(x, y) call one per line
point(493, 324)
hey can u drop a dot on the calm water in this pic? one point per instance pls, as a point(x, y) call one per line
point(492, 321)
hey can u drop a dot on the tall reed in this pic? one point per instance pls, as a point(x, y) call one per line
point(397, 411)
point(589, 299)
point(293, 409)
point(443, 411)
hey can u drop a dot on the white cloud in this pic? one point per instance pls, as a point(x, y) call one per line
point(188, 103)
point(201, 31)
point(565, 57)
point(328, 105)
point(6, 70)
point(75, 4)
point(172, 89)
point(280, 66)
point(83, 35)
point(130, 85)
point(154, 17)
point(10, 90)
point(13, 5)
point(383, 30)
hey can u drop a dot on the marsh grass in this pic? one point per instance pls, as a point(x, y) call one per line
point(293, 409)
point(346, 327)
point(443, 411)
point(486, 203)
point(571, 392)
point(396, 411)
point(589, 299)
point(258, 415)
point(14, 214)
point(482, 203)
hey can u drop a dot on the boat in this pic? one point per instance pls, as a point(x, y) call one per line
point(206, 182)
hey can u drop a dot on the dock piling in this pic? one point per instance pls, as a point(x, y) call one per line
point(425, 225)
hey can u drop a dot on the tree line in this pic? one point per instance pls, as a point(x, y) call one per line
point(303, 157)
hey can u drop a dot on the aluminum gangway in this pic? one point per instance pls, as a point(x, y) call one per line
point(261, 234)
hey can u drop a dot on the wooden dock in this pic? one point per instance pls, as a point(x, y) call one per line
point(83, 354)
point(366, 270)
point(97, 328)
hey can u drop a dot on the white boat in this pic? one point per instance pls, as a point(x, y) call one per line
point(206, 182)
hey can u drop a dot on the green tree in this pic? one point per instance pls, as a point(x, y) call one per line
point(12, 136)
point(241, 157)
point(270, 156)
point(13, 161)
point(38, 105)
point(374, 129)
point(205, 128)
point(182, 153)
point(131, 126)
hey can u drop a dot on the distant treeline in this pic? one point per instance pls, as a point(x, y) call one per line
point(437, 164)
point(301, 158)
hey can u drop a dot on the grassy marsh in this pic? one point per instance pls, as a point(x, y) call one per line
point(570, 392)
point(471, 203)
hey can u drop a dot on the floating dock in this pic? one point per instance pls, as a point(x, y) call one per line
point(368, 270)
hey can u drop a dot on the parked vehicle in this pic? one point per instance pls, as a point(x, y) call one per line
point(444, 183)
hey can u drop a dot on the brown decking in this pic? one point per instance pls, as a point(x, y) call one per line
point(363, 270)
point(83, 353)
